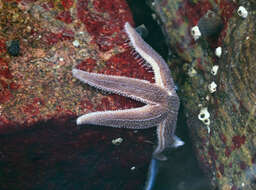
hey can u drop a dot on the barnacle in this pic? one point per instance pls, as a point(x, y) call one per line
point(214, 70)
point(204, 116)
point(218, 51)
point(212, 87)
point(195, 32)
point(207, 121)
point(242, 12)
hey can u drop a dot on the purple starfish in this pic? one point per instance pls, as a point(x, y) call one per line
point(162, 102)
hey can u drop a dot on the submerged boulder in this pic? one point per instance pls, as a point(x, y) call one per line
point(216, 78)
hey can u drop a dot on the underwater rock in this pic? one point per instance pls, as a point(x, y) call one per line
point(228, 153)
point(38, 85)
point(40, 147)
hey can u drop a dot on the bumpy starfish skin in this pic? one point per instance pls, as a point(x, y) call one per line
point(162, 102)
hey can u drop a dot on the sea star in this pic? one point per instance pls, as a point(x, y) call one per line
point(162, 102)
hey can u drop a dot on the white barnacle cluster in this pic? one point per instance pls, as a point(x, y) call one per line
point(212, 87)
point(195, 32)
point(204, 116)
point(242, 12)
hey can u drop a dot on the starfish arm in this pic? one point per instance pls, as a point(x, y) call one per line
point(161, 70)
point(161, 99)
point(140, 90)
point(165, 135)
point(146, 116)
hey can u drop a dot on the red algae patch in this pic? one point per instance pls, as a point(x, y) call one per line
point(238, 141)
point(192, 12)
point(67, 4)
point(38, 84)
point(6, 83)
point(87, 65)
point(65, 16)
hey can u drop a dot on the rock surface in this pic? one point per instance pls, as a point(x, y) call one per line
point(37, 85)
point(40, 42)
point(225, 148)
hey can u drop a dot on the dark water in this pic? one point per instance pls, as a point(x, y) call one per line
point(142, 14)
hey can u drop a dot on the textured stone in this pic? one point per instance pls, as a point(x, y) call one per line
point(227, 154)
point(38, 85)
point(40, 146)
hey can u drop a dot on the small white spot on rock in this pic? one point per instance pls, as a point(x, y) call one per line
point(195, 32)
point(242, 12)
point(212, 87)
point(133, 168)
point(214, 70)
point(76, 43)
point(117, 141)
point(208, 129)
point(154, 16)
point(218, 51)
